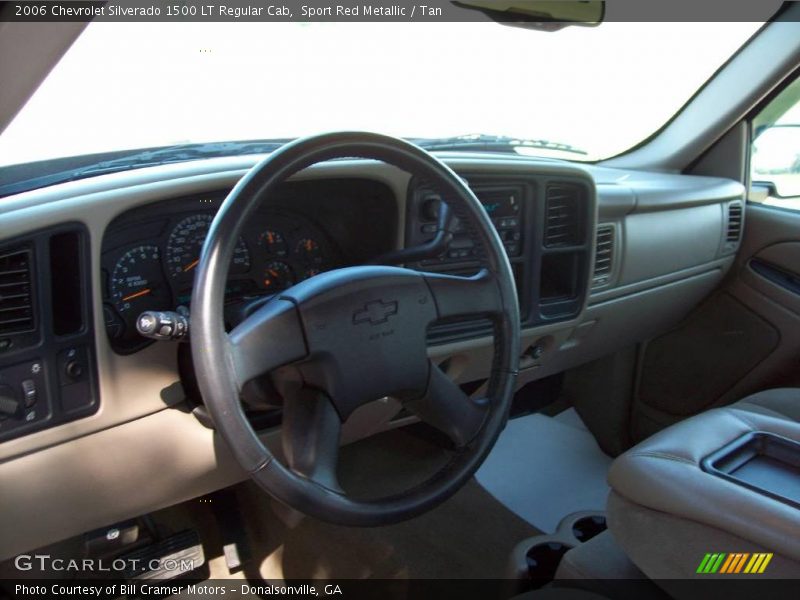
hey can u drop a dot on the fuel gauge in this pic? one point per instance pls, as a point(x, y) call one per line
point(274, 243)
point(309, 252)
point(277, 276)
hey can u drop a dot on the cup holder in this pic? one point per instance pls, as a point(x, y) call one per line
point(534, 561)
point(542, 560)
point(586, 528)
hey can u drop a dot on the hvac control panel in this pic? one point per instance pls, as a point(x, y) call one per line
point(48, 374)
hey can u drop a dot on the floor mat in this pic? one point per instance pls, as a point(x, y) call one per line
point(544, 469)
point(572, 418)
point(471, 535)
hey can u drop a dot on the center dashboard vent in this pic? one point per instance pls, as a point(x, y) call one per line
point(16, 299)
point(735, 214)
point(562, 215)
point(604, 256)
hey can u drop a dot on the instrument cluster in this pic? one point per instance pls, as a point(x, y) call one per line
point(149, 263)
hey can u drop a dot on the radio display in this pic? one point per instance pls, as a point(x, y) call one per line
point(500, 203)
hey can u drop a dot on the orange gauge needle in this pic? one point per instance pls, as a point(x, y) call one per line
point(138, 294)
point(191, 265)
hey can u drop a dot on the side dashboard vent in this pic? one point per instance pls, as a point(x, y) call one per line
point(16, 299)
point(562, 215)
point(735, 214)
point(604, 256)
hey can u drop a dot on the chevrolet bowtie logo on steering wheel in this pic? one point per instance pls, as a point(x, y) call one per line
point(375, 312)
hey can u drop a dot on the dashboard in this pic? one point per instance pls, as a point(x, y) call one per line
point(150, 254)
point(603, 258)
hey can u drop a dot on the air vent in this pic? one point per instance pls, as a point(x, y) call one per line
point(734, 233)
point(16, 302)
point(562, 227)
point(604, 254)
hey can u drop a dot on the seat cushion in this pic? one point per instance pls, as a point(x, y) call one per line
point(662, 475)
point(782, 403)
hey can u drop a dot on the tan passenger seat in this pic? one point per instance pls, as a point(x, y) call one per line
point(724, 481)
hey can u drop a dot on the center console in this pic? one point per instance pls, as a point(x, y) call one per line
point(763, 462)
point(722, 485)
point(545, 224)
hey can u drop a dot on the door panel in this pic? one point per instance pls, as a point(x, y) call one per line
point(774, 271)
point(744, 339)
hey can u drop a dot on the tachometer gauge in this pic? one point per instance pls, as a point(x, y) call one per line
point(277, 276)
point(309, 252)
point(273, 243)
point(137, 282)
point(185, 243)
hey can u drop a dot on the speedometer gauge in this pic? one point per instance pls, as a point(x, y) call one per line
point(185, 243)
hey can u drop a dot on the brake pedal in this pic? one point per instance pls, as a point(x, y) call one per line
point(232, 530)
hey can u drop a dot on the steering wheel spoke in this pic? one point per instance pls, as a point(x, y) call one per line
point(447, 408)
point(460, 297)
point(253, 347)
point(310, 436)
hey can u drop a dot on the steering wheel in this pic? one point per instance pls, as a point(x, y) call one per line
point(347, 337)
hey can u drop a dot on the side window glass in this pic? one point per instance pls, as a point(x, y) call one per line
point(775, 152)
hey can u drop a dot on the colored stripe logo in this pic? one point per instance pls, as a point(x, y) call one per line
point(734, 562)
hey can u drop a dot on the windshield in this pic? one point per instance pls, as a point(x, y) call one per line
point(589, 92)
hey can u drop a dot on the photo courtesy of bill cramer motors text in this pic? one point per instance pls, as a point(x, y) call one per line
point(156, 590)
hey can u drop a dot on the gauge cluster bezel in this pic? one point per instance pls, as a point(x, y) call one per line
point(134, 232)
point(348, 220)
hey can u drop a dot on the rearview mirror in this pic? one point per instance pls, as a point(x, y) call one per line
point(539, 14)
point(775, 159)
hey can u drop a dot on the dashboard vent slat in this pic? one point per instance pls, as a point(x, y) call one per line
point(735, 215)
point(562, 226)
point(16, 301)
point(604, 254)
